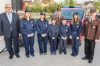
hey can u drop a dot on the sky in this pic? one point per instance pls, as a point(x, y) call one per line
point(79, 1)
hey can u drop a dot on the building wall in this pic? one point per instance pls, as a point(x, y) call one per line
point(2, 5)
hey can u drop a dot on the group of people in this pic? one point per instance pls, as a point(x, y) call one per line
point(11, 27)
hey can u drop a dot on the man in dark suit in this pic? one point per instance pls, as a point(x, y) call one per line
point(9, 30)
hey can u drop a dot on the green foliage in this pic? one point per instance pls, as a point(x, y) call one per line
point(50, 8)
point(97, 5)
point(27, 7)
point(70, 3)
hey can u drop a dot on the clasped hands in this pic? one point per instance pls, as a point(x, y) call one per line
point(43, 35)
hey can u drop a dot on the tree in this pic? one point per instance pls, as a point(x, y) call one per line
point(60, 5)
point(66, 2)
point(70, 3)
point(97, 4)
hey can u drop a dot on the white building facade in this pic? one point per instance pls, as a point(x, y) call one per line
point(2, 5)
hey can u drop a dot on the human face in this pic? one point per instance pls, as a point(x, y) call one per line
point(27, 14)
point(75, 16)
point(42, 16)
point(53, 21)
point(64, 22)
point(92, 15)
point(58, 12)
point(8, 8)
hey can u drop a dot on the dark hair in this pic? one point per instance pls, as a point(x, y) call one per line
point(58, 9)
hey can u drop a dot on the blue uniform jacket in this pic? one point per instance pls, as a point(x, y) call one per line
point(76, 28)
point(64, 30)
point(27, 27)
point(42, 26)
point(53, 30)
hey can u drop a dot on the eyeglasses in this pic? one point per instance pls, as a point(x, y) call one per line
point(8, 7)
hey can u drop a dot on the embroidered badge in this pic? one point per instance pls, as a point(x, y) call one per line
point(93, 26)
point(86, 23)
point(32, 25)
point(31, 21)
point(46, 25)
point(77, 26)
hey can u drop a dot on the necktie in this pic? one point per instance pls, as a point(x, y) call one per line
point(91, 20)
point(9, 17)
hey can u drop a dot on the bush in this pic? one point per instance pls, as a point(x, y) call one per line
point(50, 8)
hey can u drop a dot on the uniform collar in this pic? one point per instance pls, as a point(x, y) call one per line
point(94, 19)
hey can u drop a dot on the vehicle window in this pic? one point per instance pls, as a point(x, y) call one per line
point(68, 14)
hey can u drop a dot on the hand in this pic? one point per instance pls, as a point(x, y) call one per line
point(65, 37)
point(62, 38)
point(29, 35)
point(32, 34)
point(53, 37)
point(96, 40)
point(20, 35)
point(77, 38)
point(2, 37)
point(70, 37)
point(43, 35)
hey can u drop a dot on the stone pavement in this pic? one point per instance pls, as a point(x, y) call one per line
point(50, 60)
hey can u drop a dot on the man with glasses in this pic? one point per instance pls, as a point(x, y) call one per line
point(9, 30)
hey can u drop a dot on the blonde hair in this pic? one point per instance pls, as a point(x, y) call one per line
point(77, 20)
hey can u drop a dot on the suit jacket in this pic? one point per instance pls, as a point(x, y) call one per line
point(91, 30)
point(58, 20)
point(5, 25)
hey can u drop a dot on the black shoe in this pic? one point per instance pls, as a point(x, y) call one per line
point(11, 57)
point(60, 52)
point(84, 58)
point(72, 54)
point(27, 56)
point(45, 53)
point(65, 53)
point(18, 56)
point(32, 55)
point(90, 61)
point(51, 53)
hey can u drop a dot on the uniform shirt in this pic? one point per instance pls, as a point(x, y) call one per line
point(76, 28)
point(64, 30)
point(42, 26)
point(27, 27)
point(9, 16)
point(53, 30)
point(91, 30)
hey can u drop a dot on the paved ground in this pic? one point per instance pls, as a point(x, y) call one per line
point(48, 60)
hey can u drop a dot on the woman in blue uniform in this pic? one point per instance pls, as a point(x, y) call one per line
point(27, 26)
point(53, 33)
point(75, 28)
point(42, 30)
point(63, 32)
